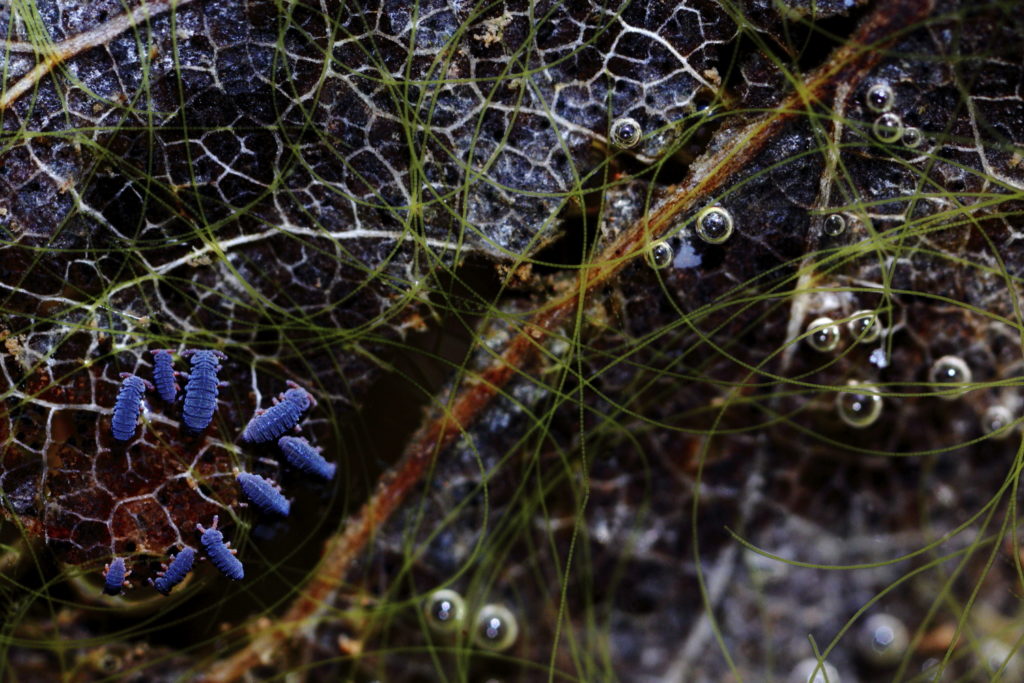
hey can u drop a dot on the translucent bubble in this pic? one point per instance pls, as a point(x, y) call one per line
point(883, 640)
point(888, 127)
point(812, 671)
point(912, 137)
point(445, 610)
point(859, 406)
point(823, 334)
point(950, 370)
point(996, 420)
point(714, 224)
point(659, 254)
point(625, 132)
point(864, 327)
point(999, 656)
point(495, 628)
point(880, 97)
point(834, 225)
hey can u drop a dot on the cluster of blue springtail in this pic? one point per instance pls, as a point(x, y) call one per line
point(198, 406)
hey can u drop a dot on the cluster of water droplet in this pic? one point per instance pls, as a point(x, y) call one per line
point(823, 333)
point(859, 405)
point(494, 627)
point(888, 127)
point(713, 225)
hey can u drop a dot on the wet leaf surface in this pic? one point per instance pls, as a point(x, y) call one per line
point(312, 190)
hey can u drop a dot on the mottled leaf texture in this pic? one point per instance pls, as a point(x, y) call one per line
point(736, 400)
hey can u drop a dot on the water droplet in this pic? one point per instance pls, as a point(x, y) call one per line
point(880, 97)
point(823, 334)
point(888, 127)
point(912, 137)
point(810, 670)
point(879, 357)
point(834, 225)
point(859, 406)
point(864, 327)
point(996, 419)
point(659, 254)
point(445, 610)
point(950, 370)
point(999, 656)
point(625, 132)
point(496, 628)
point(714, 224)
point(883, 639)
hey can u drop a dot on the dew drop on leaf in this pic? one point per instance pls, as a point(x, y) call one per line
point(625, 132)
point(912, 137)
point(864, 327)
point(823, 334)
point(996, 420)
point(445, 610)
point(950, 370)
point(834, 225)
point(888, 127)
point(859, 406)
point(714, 225)
point(880, 97)
point(495, 628)
point(659, 254)
point(883, 640)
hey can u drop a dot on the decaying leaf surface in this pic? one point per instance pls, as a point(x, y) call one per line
point(644, 457)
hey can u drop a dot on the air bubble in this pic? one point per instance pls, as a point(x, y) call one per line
point(883, 640)
point(888, 127)
point(999, 656)
point(859, 406)
point(445, 610)
point(823, 334)
point(912, 137)
point(812, 671)
point(834, 225)
point(625, 132)
point(951, 370)
point(880, 97)
point(495, 628)
point(864, 327)
point(996, 420)
point(714, 224)
point(659, 254)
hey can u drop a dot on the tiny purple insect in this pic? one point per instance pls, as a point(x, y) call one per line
point(219, 552)
point(174, 573)
point(201, 389)
point(264, 494)
point(271, 423)
point(302, 456)
point(114, 575)
point(127, 406)
point(163, 375)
